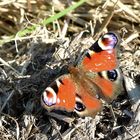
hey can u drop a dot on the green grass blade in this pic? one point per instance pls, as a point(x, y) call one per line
point(62, 13)
point(29, 29)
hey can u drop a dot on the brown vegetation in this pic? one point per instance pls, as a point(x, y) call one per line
point(28, 64)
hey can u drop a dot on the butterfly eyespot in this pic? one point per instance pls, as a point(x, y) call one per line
point(112, 75)
point(108, 41)
point(49, 97)
point(79, 106)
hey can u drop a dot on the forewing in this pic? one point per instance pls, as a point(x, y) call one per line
point(60, 94)
point(66, 94)
point(102, 54)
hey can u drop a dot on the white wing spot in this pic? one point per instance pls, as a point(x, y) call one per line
point(49, 101)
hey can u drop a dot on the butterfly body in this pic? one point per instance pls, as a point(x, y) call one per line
point(96, 77)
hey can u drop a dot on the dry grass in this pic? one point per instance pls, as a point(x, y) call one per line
point(28, 64)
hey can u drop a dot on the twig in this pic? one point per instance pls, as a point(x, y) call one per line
point(6, 64)
point(17, 125)
point(3, 106)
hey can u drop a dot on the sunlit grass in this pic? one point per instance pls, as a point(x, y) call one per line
point(30, 29)
point(51, 19)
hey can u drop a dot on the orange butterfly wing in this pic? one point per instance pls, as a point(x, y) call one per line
point(66, 94)
point(101, 58)
point(102, 54)
point(105, 60)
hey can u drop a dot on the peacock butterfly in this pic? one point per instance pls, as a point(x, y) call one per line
point(96, 78)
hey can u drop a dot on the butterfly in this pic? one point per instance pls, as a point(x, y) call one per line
point(95, 79)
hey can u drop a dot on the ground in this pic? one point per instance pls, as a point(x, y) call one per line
point(29, 64)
